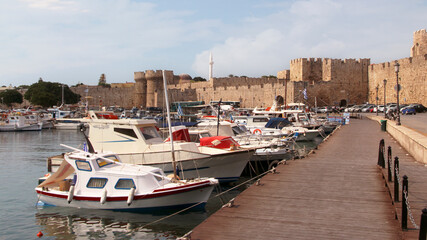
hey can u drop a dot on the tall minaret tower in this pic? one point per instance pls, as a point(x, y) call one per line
point(210, 67)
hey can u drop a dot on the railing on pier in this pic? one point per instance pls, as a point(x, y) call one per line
point(401, 183)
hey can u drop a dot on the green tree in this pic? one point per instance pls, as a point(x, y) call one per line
point(103, 81)
point(11, 96)
point(48, 94)
point(199, 79)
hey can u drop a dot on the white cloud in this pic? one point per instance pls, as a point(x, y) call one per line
point(315, 28)
point(77, 40)
point(244, 56)
point(54, 5)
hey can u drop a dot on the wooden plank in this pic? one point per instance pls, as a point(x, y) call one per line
point(335, 193)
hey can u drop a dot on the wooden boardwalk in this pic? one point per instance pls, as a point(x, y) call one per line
point(417, 185)
point(335, 193)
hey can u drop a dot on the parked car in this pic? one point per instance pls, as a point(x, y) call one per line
point(391, 107)
point(419, 108)
point(408, 110)
point(324, 110)
point(367, 108)
point(380, 108)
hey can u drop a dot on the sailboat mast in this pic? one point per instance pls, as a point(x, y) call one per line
point(169, 124)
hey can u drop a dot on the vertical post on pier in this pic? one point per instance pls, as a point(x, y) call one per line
point(423, 225)
point(405, 194)
point(396, 180)
point(381, 161)
point(389, 160)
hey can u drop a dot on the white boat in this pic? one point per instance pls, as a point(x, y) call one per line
point(268, 147)
point(67, 123)
point(137, 141)
point(18, 123)
point(101, 181)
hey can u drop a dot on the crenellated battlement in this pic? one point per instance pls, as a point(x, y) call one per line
point(409, 62)
point(332, 81)
point(419, 47)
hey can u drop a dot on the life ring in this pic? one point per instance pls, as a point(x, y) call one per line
point(257, 131)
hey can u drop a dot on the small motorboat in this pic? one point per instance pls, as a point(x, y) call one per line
point(102, 181)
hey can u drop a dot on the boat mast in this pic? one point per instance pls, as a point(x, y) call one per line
point(169, 125)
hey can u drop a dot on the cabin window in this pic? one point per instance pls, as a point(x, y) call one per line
point(126, 131)
point(83, 165)
point(194, 138)
point(202, 135)
point(260, 119)
point(102, 162)
point(149, 132)
point(97, 183)
point(237, 130)
point(125, 183)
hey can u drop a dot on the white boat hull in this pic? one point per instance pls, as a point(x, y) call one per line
point(224, 167)
point(67, 126)
point(307, 136)
point(14, 128)
point(267, 154)
point(180, 196)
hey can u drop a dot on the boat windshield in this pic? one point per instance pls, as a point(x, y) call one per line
point(102, 162)
point(149, 132)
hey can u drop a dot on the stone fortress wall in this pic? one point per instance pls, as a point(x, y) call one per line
point(327, 82)
point(412, 75)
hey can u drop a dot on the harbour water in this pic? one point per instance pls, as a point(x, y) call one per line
point(23, 160)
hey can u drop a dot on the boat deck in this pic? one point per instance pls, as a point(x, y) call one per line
point(337, 192)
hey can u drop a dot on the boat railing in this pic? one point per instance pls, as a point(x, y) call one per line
point(162, 156)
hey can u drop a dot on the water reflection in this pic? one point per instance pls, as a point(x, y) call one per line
point(74, 223)
point(70, 223)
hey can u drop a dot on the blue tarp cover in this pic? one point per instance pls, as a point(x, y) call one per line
point(277, 123)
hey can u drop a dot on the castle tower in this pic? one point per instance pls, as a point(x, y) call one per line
point(154, 87)
point(140, 89)
point(420, 43)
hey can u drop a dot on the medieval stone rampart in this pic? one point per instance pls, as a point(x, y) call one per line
point(412, 79)
point(105, 96)
point(419, 48)
point(326, 82)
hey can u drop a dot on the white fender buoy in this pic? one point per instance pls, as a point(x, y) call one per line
point(131, 195)
point(103, 196)
point(70, 194)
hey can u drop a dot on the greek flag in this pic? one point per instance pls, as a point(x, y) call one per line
point(180, 112)
point(85, 147)
point(305, 93)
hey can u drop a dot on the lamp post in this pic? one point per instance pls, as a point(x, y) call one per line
point(385, 106)
point(376, 98)
point(396, 69)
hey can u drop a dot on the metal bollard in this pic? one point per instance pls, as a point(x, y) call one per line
point(423, 225)
point(389, 160)
point(404, 206)
point(381, 161)
point(396, 181)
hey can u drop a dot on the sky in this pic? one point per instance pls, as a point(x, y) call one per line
point(75, 41)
